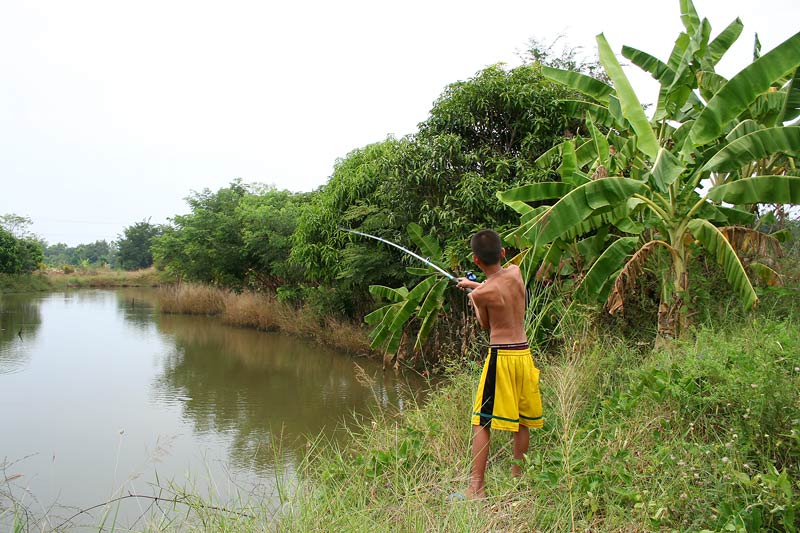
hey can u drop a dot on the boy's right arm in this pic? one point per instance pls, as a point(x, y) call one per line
point(481, 313)
point(464, 283)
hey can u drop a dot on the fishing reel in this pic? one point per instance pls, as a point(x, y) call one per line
point(470, 275)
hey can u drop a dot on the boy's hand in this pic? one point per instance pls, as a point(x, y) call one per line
point(464, 284)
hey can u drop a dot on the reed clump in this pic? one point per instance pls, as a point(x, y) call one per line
point(192, 299)
point(264, 312)
point(251, 310)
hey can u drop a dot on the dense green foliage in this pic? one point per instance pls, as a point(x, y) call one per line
point(98, 253)
point(20, 251)
point(482, 136)
point(630, 183)
point(236, 235)
point(134, 246)
point(18, 255)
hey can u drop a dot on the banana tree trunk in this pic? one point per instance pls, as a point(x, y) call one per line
point(671, 308)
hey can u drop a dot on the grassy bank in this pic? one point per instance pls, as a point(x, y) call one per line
point(703, 435)
point(264, 312)
point(81, 278)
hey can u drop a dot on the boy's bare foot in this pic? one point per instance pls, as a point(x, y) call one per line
point(478, 493)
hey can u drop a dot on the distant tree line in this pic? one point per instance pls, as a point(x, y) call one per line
point(21, 252)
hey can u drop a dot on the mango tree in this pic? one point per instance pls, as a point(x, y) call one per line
point(685, 176)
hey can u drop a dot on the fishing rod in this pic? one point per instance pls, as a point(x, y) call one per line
point(412, 254)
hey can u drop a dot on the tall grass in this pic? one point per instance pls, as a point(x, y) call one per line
point(265, 312)
point(193, 299)
point(704, 434)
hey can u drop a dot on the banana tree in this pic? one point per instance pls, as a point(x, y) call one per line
point(423, 302)
point(635, 184)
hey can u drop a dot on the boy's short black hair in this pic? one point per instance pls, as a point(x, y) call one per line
point(487, 246)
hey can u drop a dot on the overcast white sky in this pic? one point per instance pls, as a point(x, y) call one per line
point(112, 112)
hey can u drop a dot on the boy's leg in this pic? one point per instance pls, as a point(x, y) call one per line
point(521, 440)
point(480, 455)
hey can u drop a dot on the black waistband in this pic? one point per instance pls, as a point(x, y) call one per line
point(515, 346)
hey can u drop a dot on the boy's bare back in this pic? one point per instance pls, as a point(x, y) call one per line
point(500, 305)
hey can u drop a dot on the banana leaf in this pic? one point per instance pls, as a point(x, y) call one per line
point(584, 154)
point(631, 107)
point(426, 243)
point(580, 204)
point(754, 146)
point(758, 190)
point(709, 83)
point(394, 342)
point(720, 249)
point(600, 143)
point(766, 108)
point(791, 109)
point(569, 161)
point(535, 192)
point(580, 108)
point(736, 95)
point(393, 295)
point(582, 83)
point(628, 225)
point(689, 16)
point(765, 274)
point(652, 65)
point(666, 169)
point(520, 207)
point(629, 275)
point(723, 41)
point(429, 312)
point(610, 262)
point(377, 316)
point(743, 128)
point(736, 216)
point(419, 271)
point(412, 301)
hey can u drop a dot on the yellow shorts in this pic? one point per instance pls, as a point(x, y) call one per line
point(508, 393)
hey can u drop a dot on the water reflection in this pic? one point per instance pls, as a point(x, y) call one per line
point(137, 307)
point(98, 388)
point(256, 386)
point(20, 319)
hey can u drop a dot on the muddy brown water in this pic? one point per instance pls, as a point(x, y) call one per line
point(101, 396)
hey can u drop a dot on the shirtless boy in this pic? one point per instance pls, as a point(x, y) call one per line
point(508, 394)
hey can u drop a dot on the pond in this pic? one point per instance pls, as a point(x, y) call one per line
point(102, 396)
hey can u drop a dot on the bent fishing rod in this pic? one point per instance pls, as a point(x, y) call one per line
point(412, 254)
